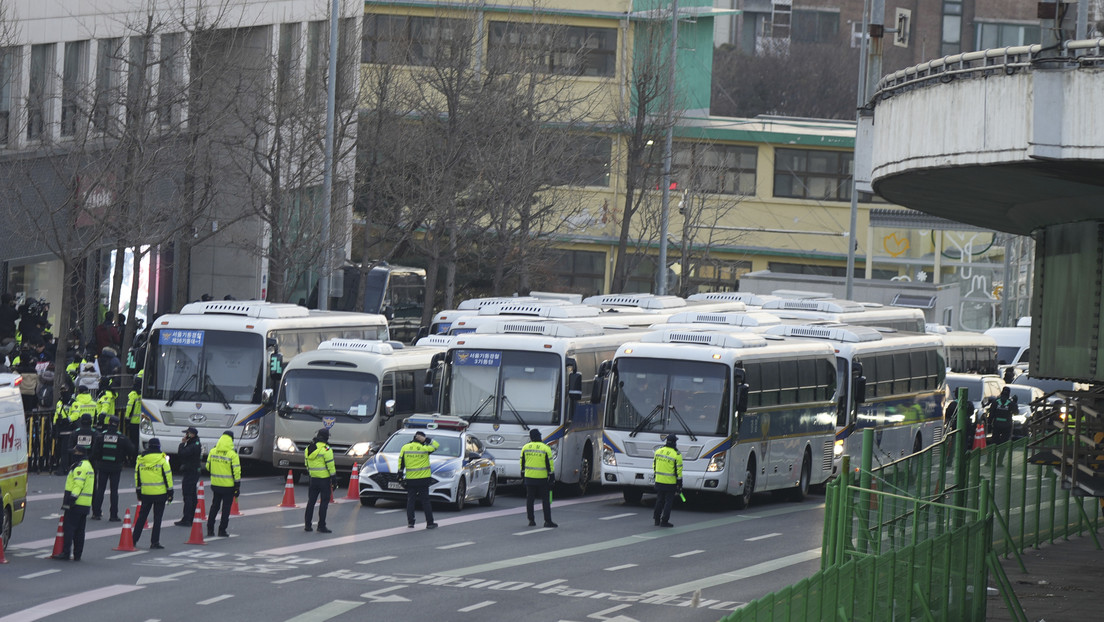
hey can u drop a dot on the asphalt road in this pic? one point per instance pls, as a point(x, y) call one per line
point(606, 561)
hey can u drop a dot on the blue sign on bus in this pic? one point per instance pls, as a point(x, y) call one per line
point(181, 338)
point(481, 358)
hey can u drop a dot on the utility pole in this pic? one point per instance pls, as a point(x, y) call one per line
point(327, 163)
point(669, 117)
point(870, 68)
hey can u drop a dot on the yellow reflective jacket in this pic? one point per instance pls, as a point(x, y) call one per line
point(320, 460)
point(152, 474)
point(536, 460)
point(223, 463)
point(80, 483)
point(667, 464)
point(414, 459)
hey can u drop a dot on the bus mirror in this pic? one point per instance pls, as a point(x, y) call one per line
point(575, 386)
point(741, 397)
point(596, 390)
point(860, 390)
point(604, 368)
point(266, 397)
point(430, 381)
point(436, 360)
point(389, 408)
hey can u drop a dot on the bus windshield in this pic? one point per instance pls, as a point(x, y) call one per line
point(314, 393)
point(656, 396)
point(504, 386)
point(205, 366)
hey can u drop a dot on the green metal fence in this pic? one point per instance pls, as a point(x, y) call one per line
point(917, 538)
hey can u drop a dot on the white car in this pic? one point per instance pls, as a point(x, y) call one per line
point(462, 468)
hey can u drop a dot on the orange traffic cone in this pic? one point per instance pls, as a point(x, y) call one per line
point(289, 493)
point(354, 484)
point(126, 537)
point(234, 511)
point(201, 503)
point(59, 541)
point(979, 437)
point(196, 537)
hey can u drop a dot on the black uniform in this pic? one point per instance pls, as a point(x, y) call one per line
point(1000, 416)
point(109, 451)
point(188, 454)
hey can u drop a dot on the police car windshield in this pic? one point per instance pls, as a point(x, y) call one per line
point(449, 445)
point(305, 392)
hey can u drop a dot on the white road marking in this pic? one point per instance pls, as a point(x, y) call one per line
point(292, 579)
point(211, 601)
point(40, 574)
point(532, 530)
point(125, 555)
point(763, 537)
point(743, 573)
point(456, 545)
point(377, 559)
point(601, 615)
point(476, 606)
point(392, 511)
point(618, 516)
point(621, 567)
point(54, 607)
point(295, 526)
point(688, 553)
point(327, 611)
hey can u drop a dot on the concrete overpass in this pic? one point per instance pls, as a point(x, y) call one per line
point(1012, 139)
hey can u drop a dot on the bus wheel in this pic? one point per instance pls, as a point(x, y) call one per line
point(632, 495)
point(802, 490)
point(744, 499)
point(584, 476)
point(488, 499)
point(368, 502)
point(461, 494)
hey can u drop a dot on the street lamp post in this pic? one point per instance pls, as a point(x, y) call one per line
point(661, 276)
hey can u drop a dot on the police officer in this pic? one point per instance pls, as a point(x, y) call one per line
point(414, 467)
point(83, 435)
point(154, 484)
point(1000, 417)
point(110, 450)
point(133, 414)
point(320, 465)
point(63, 430)
point(76, 504)
point(667, 465)
point(225, 468)
point(537, 468)
point(188, 453)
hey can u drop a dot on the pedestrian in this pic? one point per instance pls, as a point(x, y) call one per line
point(76, 505)
point(538, 471)
point(106, 335)
point(225, 469)
point(154, 484)
point(667, 465)
point(110, 450)
point(1009, 374)
point(188, 453)
point(8, 317)
point(1000, 415)
point(320, 465)
point(414, 467)
point(111, 369)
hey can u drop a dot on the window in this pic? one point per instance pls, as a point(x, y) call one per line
point(582, 272)
point(42, 59)
point(810, 174)
point(7, 87)
point(571, 50)
point(587, 163)
point(815, 26)
point(403, 40)
point(1006, 35)
point(72, 81)
point(287, 61)
point(138, 79)
point(713, 275)
point(107, 81)
point(952, 27)
point(317, 58)
point(714, 169)
point(169, 87)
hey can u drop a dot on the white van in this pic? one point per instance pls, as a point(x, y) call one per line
point(1013, 342)
point(13, 455)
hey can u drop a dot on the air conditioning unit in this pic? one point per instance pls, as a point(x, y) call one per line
point(902, 27)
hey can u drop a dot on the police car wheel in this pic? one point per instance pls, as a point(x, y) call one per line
point(461, 493)
point(489, 498)
point(368, 502)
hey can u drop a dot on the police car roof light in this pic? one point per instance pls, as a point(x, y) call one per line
point(434, 422)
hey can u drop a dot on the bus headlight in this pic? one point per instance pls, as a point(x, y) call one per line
point(284, 443)
point(716, 463)
point(146, 426)
point(252, 430)
point(360, 449)
point(608, 457)
point(837, 449)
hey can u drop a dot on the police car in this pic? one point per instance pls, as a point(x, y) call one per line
point(462, 468)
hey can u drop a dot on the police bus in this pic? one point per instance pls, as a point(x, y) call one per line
point(210, 365)
point(510, 377)
point(969, 353)
point(892, 382)
point(847, 312)
point(752, 413)
point(359, 390)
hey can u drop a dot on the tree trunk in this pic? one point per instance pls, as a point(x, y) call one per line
point(116, 279)
point(430, 298)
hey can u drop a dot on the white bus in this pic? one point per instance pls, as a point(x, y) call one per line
point(848, 312)
point(752, 414)
point(210, 365)
point(510, 377)
point(359, 390)
point(970, 353)
point(892, 382)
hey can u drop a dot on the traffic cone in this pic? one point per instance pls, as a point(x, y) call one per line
point(201, 502)
point(196, 537)
point(979, 437)
point(289, 493)
point(354, 484)
point(126, 537)
point(234, 511)
point(59, 541)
